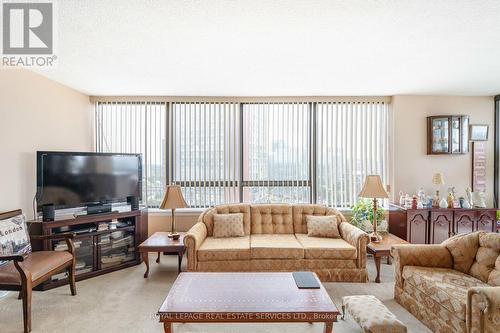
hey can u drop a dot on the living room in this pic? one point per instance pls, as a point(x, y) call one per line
point(250, 166)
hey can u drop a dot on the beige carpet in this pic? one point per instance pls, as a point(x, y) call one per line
point(124, 301)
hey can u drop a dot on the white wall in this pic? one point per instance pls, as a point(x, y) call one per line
point(412, 167)
point(36, 114)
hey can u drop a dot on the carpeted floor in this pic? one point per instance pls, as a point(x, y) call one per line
point(124, 301)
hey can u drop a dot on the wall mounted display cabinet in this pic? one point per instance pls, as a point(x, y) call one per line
point(447, 135)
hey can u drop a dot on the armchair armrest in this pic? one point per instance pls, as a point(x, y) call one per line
point(483, 309)
point(357, 238)
point(192, 240)
point(67, 236)
point(419, 255)
point(14, 257)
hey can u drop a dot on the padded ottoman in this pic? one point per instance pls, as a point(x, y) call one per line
point(371, 314)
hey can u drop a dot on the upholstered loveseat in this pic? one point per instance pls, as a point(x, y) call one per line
point(276, 240)
point(453, 286)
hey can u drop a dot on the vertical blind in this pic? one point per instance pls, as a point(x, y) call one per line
point(352, 142)
point(223, 152)
point(206, 154)
point(276, 142)
point(136, 127)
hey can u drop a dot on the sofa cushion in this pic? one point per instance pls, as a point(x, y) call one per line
point(232, 248)
point(300, 211)
point(272, 219)
point(463, 249)
point(228, 225)
point(322, 226)
point(445, 286)
point(275, 247)
point(207, 216)
point(326, 248)
point(486, 256)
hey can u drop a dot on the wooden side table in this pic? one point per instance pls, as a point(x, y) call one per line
point(160, 242)
point(383, 249)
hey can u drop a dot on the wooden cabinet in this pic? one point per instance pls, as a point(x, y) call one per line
point(440, 226)
point(486, 220)
point(447, 135)
point(98, 250)
point(432, 226)
point(464, 221)
point(417, 226)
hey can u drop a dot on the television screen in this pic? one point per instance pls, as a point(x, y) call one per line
point(78, 179)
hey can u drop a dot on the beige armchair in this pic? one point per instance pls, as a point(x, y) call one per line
point(453, 286)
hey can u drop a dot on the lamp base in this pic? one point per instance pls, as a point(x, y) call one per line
point(375, 237)
point(174, 235)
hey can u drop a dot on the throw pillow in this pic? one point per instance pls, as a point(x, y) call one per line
point(14, 237)
point(228, 225)
point(322, 226)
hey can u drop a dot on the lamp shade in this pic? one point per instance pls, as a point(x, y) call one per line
point(173, 198)
point(438, 178)
point(373, 188)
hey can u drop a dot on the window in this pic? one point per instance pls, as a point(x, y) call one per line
point(259, 152)
point(136, 128)
point(205, 152)
point(352, 142)
point(276, 149)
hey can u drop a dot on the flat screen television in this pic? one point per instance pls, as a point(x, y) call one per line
point(75, 179)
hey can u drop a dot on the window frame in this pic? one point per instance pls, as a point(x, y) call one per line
point(241, 183)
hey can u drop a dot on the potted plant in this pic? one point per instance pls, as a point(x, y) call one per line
point(362, 216)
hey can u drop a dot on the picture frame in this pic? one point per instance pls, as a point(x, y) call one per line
point(478, 132)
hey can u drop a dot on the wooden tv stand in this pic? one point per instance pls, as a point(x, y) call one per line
point(100, 252)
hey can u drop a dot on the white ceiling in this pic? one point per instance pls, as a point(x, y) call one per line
point(278, 48)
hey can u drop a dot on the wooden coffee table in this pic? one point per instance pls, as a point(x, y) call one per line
point(244, 298)
point(383, 249)
point(160, 242)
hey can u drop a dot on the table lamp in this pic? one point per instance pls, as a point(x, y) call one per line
point(438, 180)
point(373, 189)
point(173, 199)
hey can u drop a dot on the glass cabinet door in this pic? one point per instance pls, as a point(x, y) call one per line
point(440, 135)
point(455, 135)
point(448, 134)
point(465, 134)
point(84, 253)
point(116, 248)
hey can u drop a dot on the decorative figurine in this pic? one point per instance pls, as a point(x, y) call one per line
point(414, 202)
point(401, 198)
point(451, 198)
point(443, 203)
point(479, 199)
point(468, 191)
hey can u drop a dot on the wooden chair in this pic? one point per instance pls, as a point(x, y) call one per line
point(24, 272)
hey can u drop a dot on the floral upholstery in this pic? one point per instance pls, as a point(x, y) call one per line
point(207, 216)
point(445, 286)
point(451, 287)
point(372, 315)
point(230, 248)
point(275, 247)
point(326, 248)
point(486, 256)
point(323, 226)
point(228, 225)
point(271, 219)
point(301, 211)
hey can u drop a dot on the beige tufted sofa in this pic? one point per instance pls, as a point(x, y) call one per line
point(276, 240)
point(453, 286)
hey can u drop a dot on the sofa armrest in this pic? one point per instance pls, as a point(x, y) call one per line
point(357, 238)
point(483, 309)
point(193, 240)
point(419, 255)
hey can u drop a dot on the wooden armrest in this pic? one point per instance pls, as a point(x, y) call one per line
point(65, 235)
point(14, 257)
